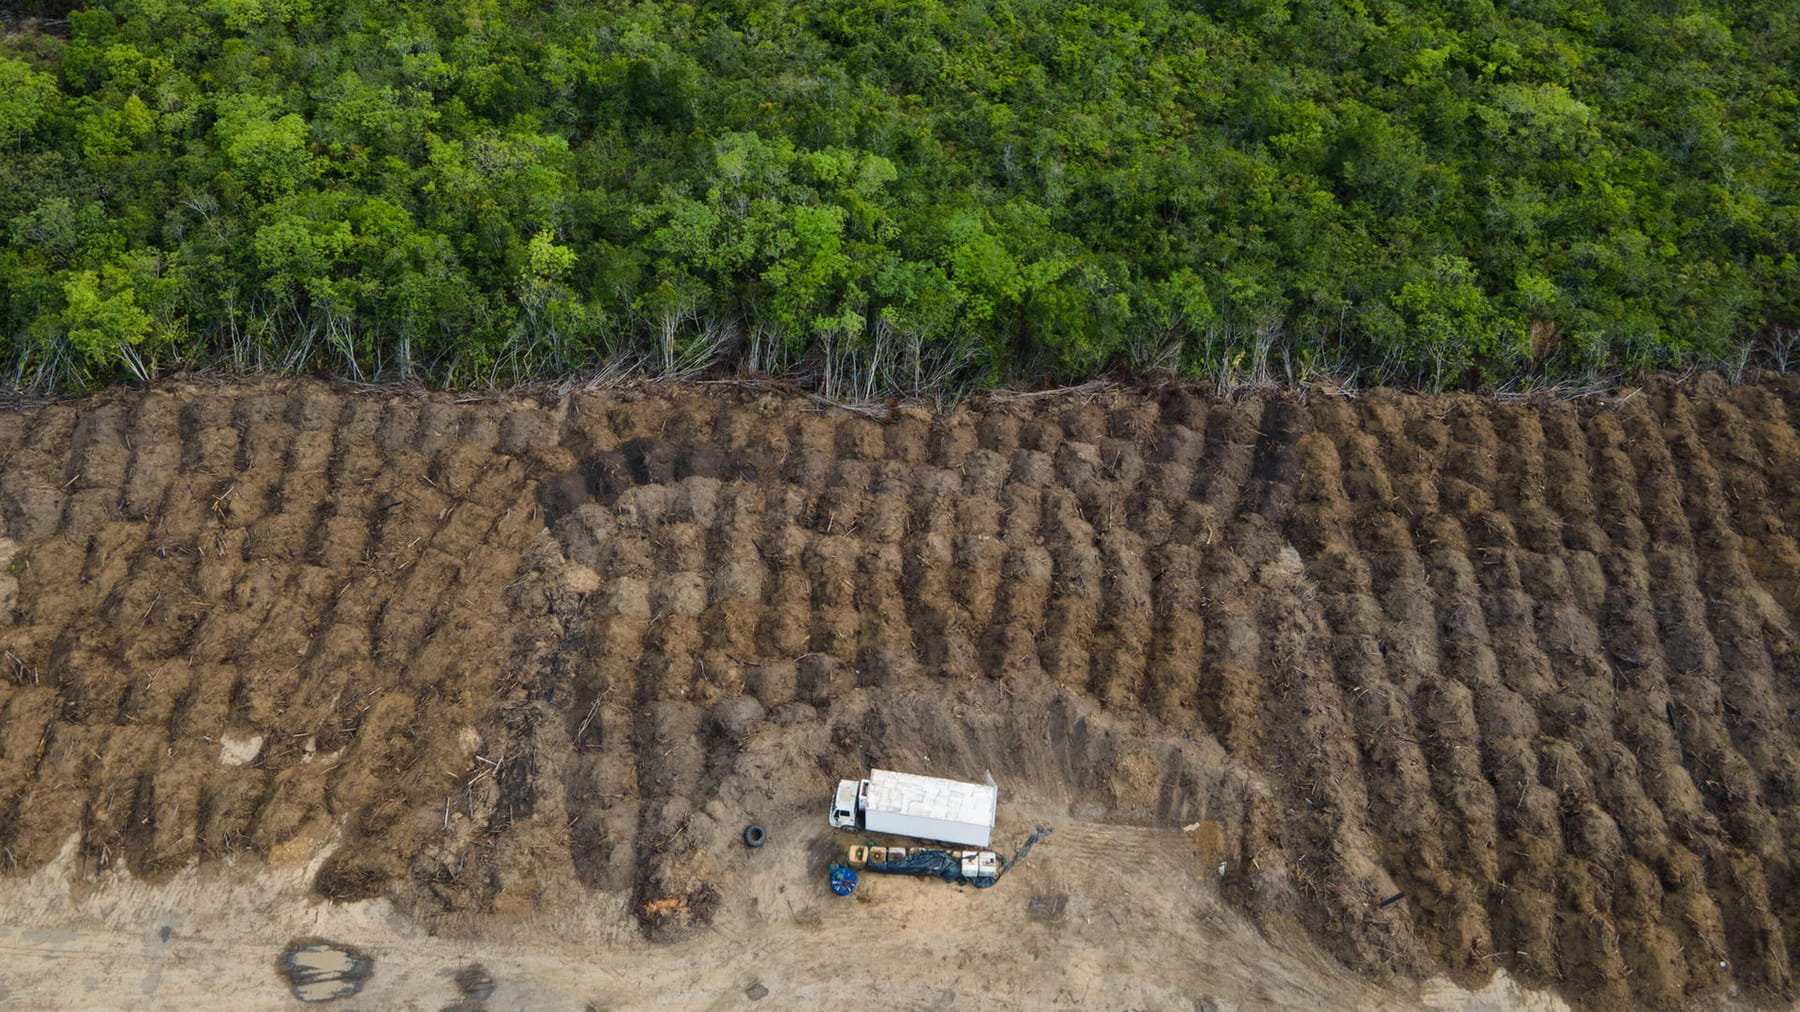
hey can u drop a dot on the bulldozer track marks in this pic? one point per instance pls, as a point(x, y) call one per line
point(1529, 664)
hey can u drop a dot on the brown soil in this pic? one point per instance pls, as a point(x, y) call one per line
point(1531, 665)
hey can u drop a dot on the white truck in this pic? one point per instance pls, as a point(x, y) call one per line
point(927, 808)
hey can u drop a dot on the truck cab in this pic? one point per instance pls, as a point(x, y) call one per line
point(844, 806)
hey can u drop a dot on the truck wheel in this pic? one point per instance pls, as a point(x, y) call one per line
point(754, 835)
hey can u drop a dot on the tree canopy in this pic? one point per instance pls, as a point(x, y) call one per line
point(887, 197)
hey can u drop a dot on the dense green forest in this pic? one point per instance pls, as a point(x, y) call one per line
point(888, 196)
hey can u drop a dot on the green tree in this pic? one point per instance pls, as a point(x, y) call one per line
point(26, 98)
point(102, 318)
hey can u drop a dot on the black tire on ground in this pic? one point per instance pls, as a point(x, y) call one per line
point(754, 835)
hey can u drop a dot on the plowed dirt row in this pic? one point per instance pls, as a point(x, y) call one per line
point(1531, 665)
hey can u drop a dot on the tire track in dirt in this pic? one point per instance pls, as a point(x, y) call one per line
point(1508, 530)
point(1375, 726)
point(1423, 583)
point(1560, 835)
point(196, 557)
point(1313, 734)
point(1743, 623)
point(1657, 738)
point(1565, 840)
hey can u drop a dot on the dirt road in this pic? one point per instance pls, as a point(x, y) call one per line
point(505, 679)
point(1099, 917)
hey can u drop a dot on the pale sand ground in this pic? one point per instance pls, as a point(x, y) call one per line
point(1140, 928)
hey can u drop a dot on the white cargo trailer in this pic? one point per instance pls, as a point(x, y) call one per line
point(927, 808)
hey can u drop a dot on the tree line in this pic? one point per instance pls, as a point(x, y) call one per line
point(886, 197)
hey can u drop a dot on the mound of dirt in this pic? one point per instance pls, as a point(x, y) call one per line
point(1530, 667)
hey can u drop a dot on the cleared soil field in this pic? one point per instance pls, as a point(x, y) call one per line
point(1531, 665)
